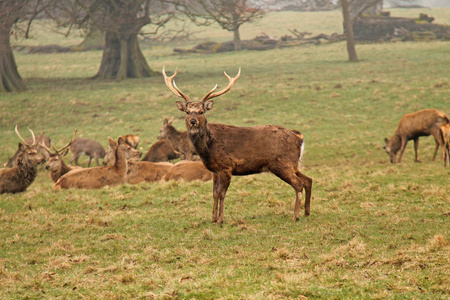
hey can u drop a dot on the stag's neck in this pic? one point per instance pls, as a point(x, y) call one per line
point(26, 172)
point(202, 139)
point(55, 174)
point(121, 164)
point(395, 142)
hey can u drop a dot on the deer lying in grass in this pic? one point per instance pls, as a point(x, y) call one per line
point(140, 171)
point(55, 163)
point(162, 150)
point(131, 139)
point(97, 177)
point(412, 126)
point(21, 176)
point(188, 171)
point(445, 134)
point(180, 140)
point(131, 153)
point(228, 150)
point(41, 139)
point(85, 146)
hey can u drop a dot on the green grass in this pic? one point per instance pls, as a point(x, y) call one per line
point(376, 230)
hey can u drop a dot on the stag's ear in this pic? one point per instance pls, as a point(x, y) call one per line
point(209, 105)
point(181, 105)
point(112, 143)
point(21, 147)
point(165, 122)
point(386, 140)
point(120, 141)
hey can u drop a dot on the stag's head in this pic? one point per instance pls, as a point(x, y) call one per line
point(390, 150)
point(28, 153)
point(55, 159)
point(195, 111)
point(164, 131)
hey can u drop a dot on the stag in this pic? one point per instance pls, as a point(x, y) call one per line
point(41, 139)
point(97, 177)
point(227, 150)
point(162, 150)
point(179, 139)
point(55, 163)
point(21, 176)
point(139, 171)
point(412, 126)
point(188, 171)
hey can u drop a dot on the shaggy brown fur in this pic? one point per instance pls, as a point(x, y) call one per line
point(40, 139)
point(228, 150)
point(411, 127)
point(162, 150)
point(188, 171)
point(179, 140)
point(94, 178)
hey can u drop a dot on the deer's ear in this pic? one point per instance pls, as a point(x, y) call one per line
point(386, 140)
point(21, 147)
point(112, 143)
point(165, 122)
point(120, 141)
point(181, 105)
point(209, 105)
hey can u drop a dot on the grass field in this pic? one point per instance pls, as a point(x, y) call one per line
point(376, 230)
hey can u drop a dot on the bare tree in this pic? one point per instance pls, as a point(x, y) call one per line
point(121, 21)
point(13, 12)
point(229, 14)
point(352, 9)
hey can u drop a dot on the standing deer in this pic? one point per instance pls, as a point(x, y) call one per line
point(445, 134)
point(162, 150)
point(41, 139)
point(21, 176)
point(412, 126)
point(180, 140)
point(140, 171)
point(85, 146)
point(227, 150)
point(55, 163)
point(97, 177)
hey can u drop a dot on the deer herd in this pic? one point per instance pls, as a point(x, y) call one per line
point(207, 151)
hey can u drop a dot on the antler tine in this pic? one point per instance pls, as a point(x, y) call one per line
point(231, 82)
point(46, 148)
point(23, 140)
point(172, 86)
point(73, 139)
point(34, 137)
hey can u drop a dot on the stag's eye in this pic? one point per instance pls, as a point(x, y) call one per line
point(200, 112)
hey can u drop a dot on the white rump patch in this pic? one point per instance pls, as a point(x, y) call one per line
point(302, 148)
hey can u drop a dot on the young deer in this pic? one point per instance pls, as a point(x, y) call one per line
point(55, 163)
point(180, 140)
point(188, 171)
point(131, 153)
point(97, 177)
point(162, 150)
point(228, 150)
point(21, 176)
point(412, 126)
point(88, 147)
point(139, 171)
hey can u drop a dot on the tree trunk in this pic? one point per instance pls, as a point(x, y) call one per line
point(348, 31)
point(122, 58)
point(237, 40)
point(10, 79)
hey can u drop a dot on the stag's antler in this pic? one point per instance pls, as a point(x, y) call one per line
point(73, 139)
point(231, 82)
point(23, 140)
point(172, 86)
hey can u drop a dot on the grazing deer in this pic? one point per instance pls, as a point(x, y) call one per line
point(85, 146)
point(139, 171)
point(131, 153)
point(188, 171)
point(162, 150)
point(97, 177)
point(412, 126)
point(180, 140)
point(55, 163)
point(227, 150)
point(41, 139)
point(445, 134)
point(21, 176)
point(131, 139)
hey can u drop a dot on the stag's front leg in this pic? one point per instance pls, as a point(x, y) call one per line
point(416, 149)
point(224, 183)
point(216, 197)
point(402, 149)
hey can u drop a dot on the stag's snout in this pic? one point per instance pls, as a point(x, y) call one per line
point(193, 122)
